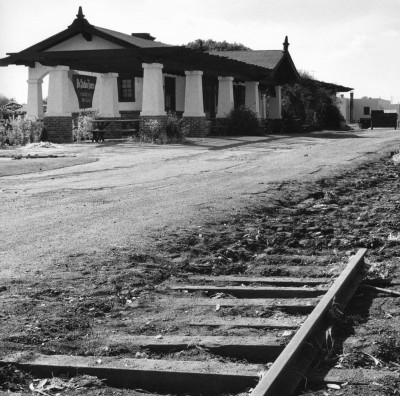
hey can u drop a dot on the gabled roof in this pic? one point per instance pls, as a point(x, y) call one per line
point(132, 40)
point(81, 26)
point(267, 67)
point(264, 58)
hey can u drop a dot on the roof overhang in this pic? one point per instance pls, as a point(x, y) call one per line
point(175, 60)
point(334, 88)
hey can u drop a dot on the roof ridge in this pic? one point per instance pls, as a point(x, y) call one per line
point(135, 40)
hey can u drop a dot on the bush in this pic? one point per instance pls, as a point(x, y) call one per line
point(21, 131)
point(151, 131)
point(176, 130)
point(310, 103)
point(83, 124)
point(243, 121)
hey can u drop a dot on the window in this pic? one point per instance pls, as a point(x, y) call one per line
point(366, 110)
point(126, 89)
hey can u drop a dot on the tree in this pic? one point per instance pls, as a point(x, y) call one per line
point(311, 102)
point(212, 45)
point(4, 100)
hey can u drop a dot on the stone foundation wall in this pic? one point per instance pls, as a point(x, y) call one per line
point(197, 126)
point(58, 129)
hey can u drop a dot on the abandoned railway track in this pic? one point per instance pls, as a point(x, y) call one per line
point(214, 309)
point(300, 311)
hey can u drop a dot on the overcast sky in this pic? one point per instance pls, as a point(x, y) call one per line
point(349, 42)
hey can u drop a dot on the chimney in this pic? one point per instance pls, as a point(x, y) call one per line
point(145, 36)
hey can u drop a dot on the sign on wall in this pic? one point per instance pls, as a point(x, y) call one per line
point(84, 87)
point(12, 106)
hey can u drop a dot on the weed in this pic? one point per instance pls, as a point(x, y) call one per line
point(388, 348)
point(13, 379)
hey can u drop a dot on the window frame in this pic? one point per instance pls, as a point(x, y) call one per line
point(121, 97)
point(367, 110)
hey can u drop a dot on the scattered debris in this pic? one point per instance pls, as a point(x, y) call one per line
point(396, 158)
point(48, 386)
point(42, 145)
point(381, 290)
point(333, 386)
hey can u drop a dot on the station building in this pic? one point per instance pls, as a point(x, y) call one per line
point(121, 75)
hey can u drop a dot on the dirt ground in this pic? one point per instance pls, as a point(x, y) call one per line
point(88, 301)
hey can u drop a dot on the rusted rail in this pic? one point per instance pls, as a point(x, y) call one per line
point(286, 372)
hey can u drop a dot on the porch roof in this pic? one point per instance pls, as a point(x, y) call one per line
point(333, 87)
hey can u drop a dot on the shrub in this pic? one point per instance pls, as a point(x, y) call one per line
point(176, 130)
point(151, 131)
point(243, 121)
point(308, 102)
point(83, 124)
point(21, 131)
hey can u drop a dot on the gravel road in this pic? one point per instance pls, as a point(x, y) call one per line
point(134, 192)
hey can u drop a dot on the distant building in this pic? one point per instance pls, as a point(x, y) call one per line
point(362, 107)
point(12, 109)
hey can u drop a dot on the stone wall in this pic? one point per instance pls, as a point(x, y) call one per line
point(58, 129)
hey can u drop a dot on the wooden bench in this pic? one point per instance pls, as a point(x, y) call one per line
point(97, 134)
point(100, 127)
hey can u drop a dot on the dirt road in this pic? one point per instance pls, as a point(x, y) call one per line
point(134, 193)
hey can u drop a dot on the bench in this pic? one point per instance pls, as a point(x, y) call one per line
point(97, 134)
point(100, 127)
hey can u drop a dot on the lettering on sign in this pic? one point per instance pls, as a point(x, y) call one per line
point(84, 87)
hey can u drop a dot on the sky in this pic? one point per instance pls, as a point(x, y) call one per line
point(354, 43)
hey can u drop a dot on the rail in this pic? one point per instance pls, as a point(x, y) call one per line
point(302, 296)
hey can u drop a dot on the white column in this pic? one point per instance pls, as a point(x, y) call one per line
point(58, 99)
point(153, 94)
point(225, 96)
point(34, 107)
point(264, 105)
point(194, 106)
point(252, 97)
point(275, 105)
point(108, 105)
